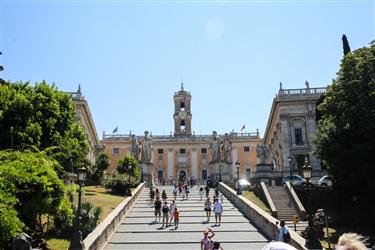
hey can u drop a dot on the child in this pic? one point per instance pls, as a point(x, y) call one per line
point(176, 216)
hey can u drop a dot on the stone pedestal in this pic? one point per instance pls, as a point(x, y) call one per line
point(147, 173)
point(226, 172)
point(263, 172)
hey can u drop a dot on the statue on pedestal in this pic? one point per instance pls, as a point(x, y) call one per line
point(146, 148)
point(135, 148)
point(262, 154)
point(215, 147)
point(226, 148)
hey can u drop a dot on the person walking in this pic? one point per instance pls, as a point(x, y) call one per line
point(152, 196)
point(172, 208)
point(207, 208)
point(218, 209)
point(157, 193)
point(207, 189)
point(284, 235)
point(183, 192)
point(157, 205)
point(201, 193)
point(165, 214)
point(164, 196)
point(175, 190)
point(187, 191)
point(206, 242)
point(176, 216)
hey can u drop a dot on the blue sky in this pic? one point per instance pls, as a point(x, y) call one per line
point(130, 56)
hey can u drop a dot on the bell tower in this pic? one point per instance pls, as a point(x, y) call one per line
point(182, 112)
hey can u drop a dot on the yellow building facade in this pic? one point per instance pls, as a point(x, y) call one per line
point(185, 154)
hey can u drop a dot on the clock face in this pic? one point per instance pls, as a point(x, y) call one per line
point(182, 114)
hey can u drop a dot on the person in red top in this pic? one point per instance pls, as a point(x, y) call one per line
point(176, 217)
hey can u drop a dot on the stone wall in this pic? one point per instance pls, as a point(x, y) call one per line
point(262, 220)
point(103, 232)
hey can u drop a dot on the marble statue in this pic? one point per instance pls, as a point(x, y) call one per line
point(146, 148)
point(226, 148)
point(135, 147)
point(262, 154)
point(215, 147)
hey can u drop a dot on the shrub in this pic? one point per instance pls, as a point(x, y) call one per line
point(90, 216)
point(10, 225)
point(119, 184)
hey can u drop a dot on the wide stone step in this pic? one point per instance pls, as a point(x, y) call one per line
point(170, 235)
point(184, 226)
point(185, 246)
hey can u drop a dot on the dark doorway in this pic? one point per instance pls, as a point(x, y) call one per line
point(204, 174)
point(182, 175)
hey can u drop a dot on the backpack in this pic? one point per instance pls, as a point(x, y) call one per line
point(165, 209)
point(286, 237)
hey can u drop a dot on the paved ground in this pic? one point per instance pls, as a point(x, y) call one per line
point(139, 230)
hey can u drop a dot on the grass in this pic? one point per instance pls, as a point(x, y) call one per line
point(252, 197)
point(58, 244)
point(99, 197)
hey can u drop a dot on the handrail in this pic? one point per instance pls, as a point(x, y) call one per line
point(97, 239)
point(269, 199)
point(298, 204)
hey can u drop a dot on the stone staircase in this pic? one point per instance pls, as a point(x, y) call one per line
point(285, 207)
point(139, 231)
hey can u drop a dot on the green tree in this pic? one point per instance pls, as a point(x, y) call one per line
point(123, 167)
point(30, 178)
point(345, 45)
point(345, 139)
point(41, 117)
point(101, 164)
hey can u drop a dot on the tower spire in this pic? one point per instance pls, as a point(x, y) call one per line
point(182, 86)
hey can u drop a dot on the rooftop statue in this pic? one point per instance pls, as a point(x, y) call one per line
point(146, 148)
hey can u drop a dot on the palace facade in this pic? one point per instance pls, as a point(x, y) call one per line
point(288, 140)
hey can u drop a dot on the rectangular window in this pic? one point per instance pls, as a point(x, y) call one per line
point(160, 151)
point(246, 149)
point(182, 151)
point(203, 150)
point(204, 174)
point(298, 136)
point(116, 151)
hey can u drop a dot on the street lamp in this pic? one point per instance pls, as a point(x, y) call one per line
point(290, 167)
point(306, 172)
point(220, 169)
point(77, 242)
point(238, 178)
point(129, 169)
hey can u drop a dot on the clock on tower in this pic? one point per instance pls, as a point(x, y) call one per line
point(182, 113)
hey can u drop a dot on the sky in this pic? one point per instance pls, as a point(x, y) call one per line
point(130, 57)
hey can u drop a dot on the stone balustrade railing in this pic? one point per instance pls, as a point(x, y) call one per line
point(103, 232)
point(305, 91)
point(265, 222)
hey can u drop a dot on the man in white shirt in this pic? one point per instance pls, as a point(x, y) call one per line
point(283, 231)
point(218, 209)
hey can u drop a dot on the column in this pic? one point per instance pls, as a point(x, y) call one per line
point(170, 163)
point(194, 162)
point(286, 142)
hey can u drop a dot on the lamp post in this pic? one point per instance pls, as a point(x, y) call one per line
point(306, 172)
point(129, 170)
point(77, 242)
point(290, 167)
point(239, 192)
point(312, 241)
point(220, 169)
